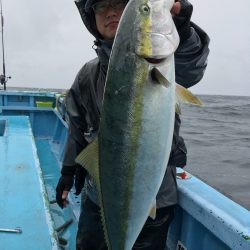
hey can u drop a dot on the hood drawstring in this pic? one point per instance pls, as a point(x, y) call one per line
point(95, 45)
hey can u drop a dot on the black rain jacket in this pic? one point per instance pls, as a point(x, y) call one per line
point(83, 102)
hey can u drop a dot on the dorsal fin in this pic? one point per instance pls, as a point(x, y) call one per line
point(89, 159)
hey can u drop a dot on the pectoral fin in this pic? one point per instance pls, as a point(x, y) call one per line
point(186, 96)
point(89, 159)
point(152, 213)
point(159, 78)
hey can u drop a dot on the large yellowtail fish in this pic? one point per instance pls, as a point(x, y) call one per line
point(130, 156)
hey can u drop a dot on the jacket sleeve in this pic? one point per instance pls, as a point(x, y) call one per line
point(77, 125)
point(190, 64)
point(191, 57)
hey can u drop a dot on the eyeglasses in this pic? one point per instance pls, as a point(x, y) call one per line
point(103, 6)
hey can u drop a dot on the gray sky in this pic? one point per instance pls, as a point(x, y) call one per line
point(46, 44)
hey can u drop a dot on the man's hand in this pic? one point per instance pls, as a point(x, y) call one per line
point(64, 185)
point(182, 11)
point(176, 8)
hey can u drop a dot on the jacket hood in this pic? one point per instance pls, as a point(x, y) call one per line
point(102, 47)
point(88, 18)
point(89, 4)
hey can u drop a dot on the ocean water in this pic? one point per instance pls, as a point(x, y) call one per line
point(217, 137)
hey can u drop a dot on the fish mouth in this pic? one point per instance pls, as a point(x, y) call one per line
point(155, 60)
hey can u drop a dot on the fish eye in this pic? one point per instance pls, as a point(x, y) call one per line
point(145, 9)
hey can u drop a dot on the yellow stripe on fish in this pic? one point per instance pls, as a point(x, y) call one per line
point(145, 45)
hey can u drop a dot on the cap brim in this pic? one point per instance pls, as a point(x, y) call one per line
point(89, 4)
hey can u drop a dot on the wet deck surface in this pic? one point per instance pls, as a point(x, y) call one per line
point(51, 175)
point(22, 198)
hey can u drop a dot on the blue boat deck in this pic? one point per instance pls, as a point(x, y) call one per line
point(51, 174)
point(23, 199)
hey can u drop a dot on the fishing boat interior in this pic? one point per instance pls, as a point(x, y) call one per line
point(33, 132)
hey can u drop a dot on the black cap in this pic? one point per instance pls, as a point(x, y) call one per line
point(89, 4)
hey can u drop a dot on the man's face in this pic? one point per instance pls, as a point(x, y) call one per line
point(107, 15)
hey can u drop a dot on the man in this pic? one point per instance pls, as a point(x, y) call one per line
point(83, 103)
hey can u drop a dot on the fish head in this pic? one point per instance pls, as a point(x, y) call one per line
point(156, 37)
point(146, 31)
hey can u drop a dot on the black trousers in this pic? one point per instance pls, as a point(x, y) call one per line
point(152, 237)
